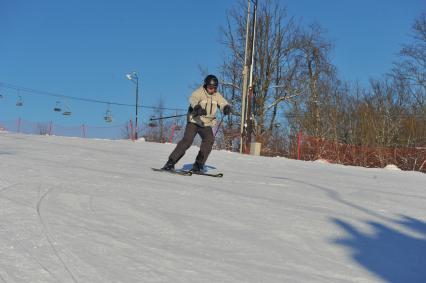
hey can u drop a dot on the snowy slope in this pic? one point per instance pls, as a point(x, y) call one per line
point(80, 210)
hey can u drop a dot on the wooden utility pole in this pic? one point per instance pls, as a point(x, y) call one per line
point(245, 82)
point(248, 88)
point(250, 99)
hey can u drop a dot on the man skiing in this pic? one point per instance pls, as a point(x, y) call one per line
point(204, 102)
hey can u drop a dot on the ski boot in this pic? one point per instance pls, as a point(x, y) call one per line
point(169, 166)
point(197, 168)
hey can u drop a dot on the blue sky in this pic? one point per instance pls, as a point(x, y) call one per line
point(85, 48)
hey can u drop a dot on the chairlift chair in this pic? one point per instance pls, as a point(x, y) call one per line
point(57, 107)
point(152, 124)
point(108, 116)
point(19, 102)
point(67, 112)
point(177, 126)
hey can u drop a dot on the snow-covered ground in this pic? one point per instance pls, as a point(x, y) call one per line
point(80, 210)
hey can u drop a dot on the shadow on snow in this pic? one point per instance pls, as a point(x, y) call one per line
point(388, 253)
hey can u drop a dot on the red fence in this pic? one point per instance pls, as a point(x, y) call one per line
point(301, 147)
point(111, 131)
point(117, 131)
point(312, 148)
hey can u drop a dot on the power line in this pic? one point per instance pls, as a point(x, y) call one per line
point(51, 94)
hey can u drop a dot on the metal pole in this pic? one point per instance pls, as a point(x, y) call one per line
point(137, 103)
point(245, 80)
point(253, 44)
point(250, 99)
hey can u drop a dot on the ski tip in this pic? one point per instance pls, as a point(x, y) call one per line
point(208, 174)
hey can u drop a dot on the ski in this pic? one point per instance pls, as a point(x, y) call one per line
point(188, 172)
point(216, 175)
point(176, 172)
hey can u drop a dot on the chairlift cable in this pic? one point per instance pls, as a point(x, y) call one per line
point(45, 93)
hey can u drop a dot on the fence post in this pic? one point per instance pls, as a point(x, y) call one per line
point(50, 128)
point(172, 133)
point(131, 130)
point(299, 140)
point(83, 130)
point(19, 125)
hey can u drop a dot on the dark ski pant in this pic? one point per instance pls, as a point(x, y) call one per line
point(207, 140)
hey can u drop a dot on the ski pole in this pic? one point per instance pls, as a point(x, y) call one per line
point(220, 123)
point(167, 117)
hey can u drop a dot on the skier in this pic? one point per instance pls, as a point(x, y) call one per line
point(201, 117)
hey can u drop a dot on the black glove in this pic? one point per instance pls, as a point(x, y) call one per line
point(198, 111)
point(227, 109)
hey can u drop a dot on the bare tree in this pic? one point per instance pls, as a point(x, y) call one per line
point(409, 76)
point(293, 74)
point(274, 58)
point(411, 70)
point(315, 81)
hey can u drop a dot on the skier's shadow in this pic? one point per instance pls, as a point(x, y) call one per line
point(389, 253)
point(206, 167)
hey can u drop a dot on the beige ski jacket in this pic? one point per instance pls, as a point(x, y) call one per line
point(209, 102)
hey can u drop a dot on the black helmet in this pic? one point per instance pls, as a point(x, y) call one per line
point(211, 80)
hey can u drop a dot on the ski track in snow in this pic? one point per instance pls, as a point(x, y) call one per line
point(45, 229)
point(4, 189)
point(48, 236)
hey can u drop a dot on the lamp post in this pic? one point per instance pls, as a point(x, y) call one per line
point(133, 76)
